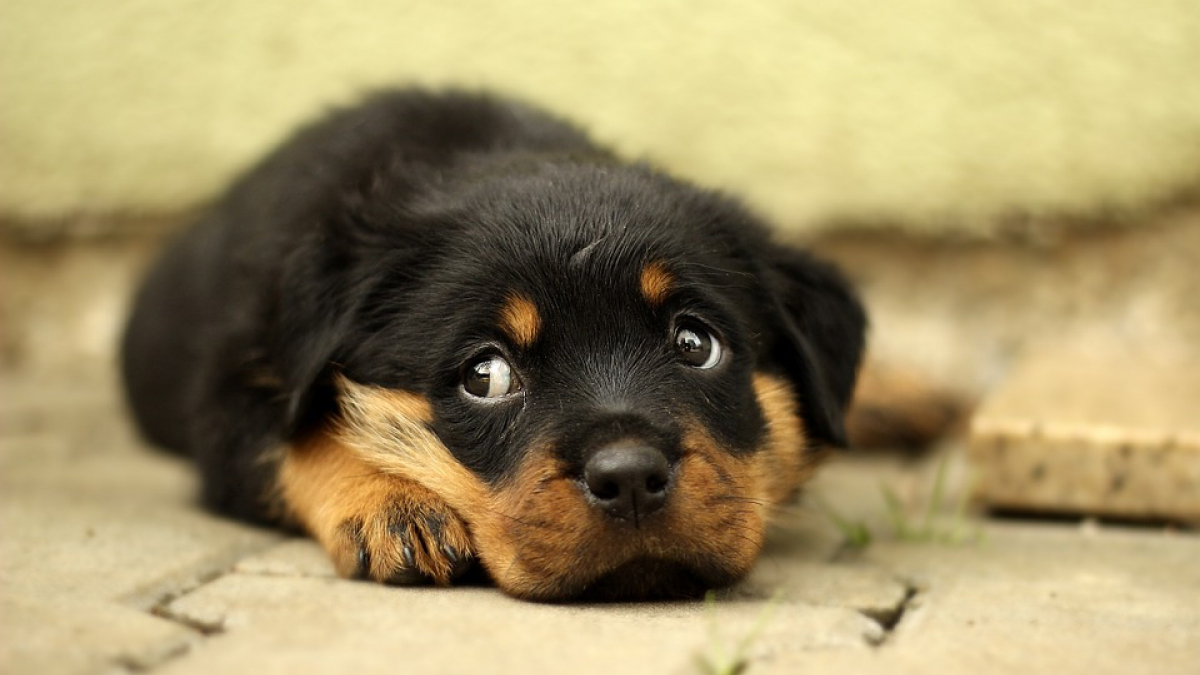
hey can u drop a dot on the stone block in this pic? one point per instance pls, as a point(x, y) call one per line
point(1113, 434)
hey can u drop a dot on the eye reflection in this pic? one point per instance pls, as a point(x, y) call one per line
point(697, 347)
point(490, 377)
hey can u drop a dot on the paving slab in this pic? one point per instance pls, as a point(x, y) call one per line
point(274, 624)
point(95, 531)
point(1034, 599)
point(1111, 432)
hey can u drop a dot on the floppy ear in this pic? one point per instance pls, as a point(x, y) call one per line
point(820, 336)
point(316, 307)
point(334, 290)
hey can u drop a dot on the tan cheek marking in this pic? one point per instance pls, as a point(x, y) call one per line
point(785, 461)
point(716, 498)
point(525, 534)
point(519, 319)
point(656, 283)
point(539, 538)
point(389, 430)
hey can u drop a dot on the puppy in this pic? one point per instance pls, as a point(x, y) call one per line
point(440, 328)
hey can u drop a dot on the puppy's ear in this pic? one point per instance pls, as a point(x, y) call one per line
point(316, 307)
point(324, 282)
point(821, 331)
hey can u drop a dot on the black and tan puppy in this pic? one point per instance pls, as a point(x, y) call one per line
point(439, 328)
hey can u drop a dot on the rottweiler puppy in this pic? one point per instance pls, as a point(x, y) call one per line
point(444, 327)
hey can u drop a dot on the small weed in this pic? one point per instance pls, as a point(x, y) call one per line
point(927, 529)
point(725, 659)
point(855, 533)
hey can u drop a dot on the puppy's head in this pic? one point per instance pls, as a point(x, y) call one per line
point(611, 376)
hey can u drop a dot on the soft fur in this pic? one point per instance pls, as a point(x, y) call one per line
point(307, 342)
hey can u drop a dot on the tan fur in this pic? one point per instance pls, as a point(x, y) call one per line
point(784, 463)
point(348, 506)
point(389, 430)
point(338, 485)
point(519, 319)
point(656, 283)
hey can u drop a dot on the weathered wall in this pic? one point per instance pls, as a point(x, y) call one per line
point(942, 114)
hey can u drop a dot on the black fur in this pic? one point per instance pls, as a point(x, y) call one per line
point(381, 243)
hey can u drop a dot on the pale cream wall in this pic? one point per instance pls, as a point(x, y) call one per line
point(944, 113)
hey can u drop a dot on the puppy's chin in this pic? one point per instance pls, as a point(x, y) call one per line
point(654, 579)
point(641, 578)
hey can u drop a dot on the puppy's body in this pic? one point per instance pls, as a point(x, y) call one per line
point(441, 327)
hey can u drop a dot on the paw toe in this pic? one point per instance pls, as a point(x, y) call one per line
point(406, 545)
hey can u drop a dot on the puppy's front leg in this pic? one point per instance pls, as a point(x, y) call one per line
point(373, 525)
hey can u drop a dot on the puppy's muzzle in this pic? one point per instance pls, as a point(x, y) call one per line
point(628, 481)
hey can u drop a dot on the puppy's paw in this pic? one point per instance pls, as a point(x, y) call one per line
point(401, 535)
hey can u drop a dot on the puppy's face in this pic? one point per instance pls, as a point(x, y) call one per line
point(598, 375)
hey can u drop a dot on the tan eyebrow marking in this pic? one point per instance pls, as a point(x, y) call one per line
point(520, 320)
point(656, 283)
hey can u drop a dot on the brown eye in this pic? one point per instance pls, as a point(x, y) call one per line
point(490, 377)
point(697, 347)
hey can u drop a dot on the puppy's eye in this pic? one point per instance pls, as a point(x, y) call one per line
point(490, 377)
point(697, 347)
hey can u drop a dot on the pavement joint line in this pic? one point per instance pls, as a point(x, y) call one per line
point(207, 571)
point(133, 664)
point(161, 608)
point(889, 618)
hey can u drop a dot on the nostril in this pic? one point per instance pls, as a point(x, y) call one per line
point(656, 483)
point(605, 490)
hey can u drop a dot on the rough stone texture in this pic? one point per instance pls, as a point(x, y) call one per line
point(1037, 599)
point(1108, 433)
point(95, 532)
point(275, 624)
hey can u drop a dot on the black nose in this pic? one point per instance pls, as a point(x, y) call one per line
point(628, 481)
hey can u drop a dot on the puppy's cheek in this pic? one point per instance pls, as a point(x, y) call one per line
point(390, 430)
point(537, 537)
point(718, 502)
point(786, 458)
